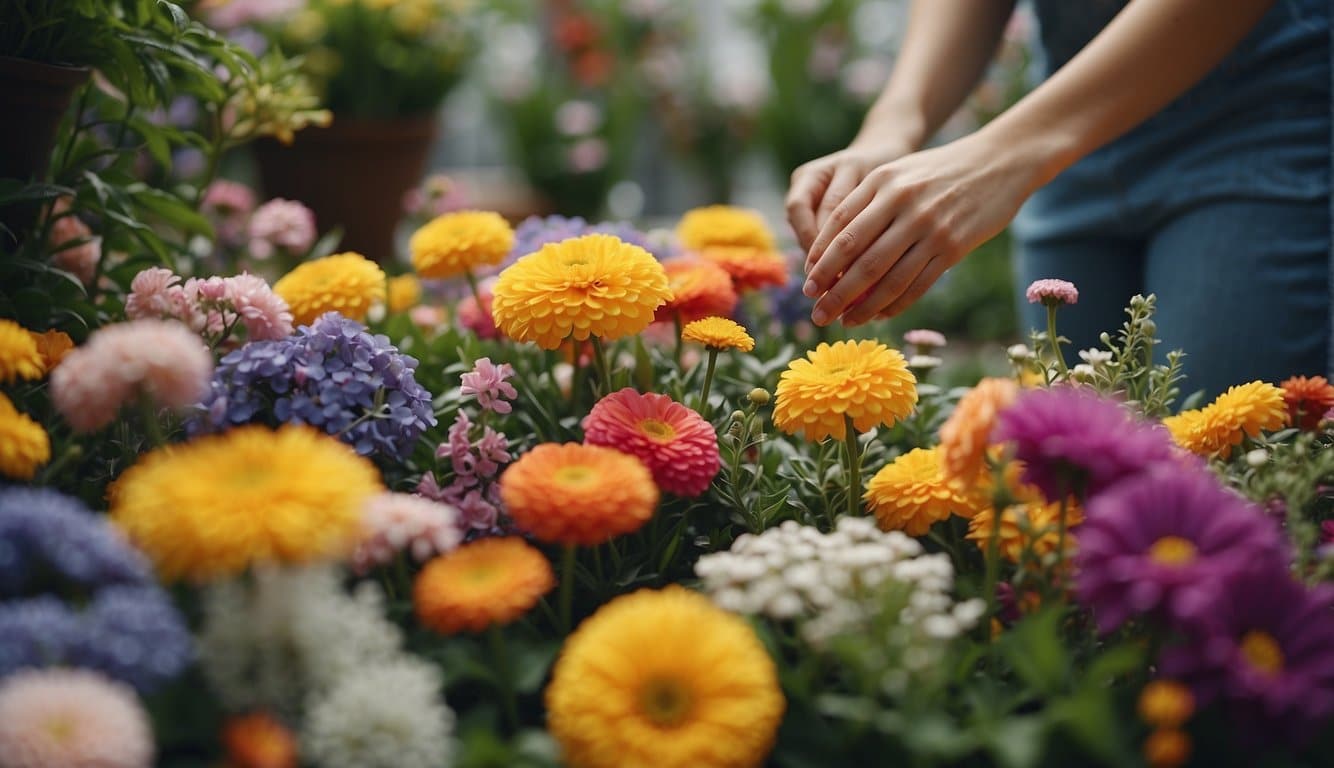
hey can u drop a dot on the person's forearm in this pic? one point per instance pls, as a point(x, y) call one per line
point(947, 48)
point(1150, 54)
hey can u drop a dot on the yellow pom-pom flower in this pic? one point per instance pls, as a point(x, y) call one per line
point(718, 333)
point(459, 242)
point(347, 283)
point(911, 493)
point(19, 356)
point(24, 445)
point(862, 380)
point(488, 582)
point(724, 225)
point(966, 434)
point(405, 292)
point(1242, 411)
point(211, 507)
point(1033, 527)
point(594, 285)
point(664, 679)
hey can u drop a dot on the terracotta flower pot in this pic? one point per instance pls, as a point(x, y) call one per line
point(33, 100)
point(352, 174)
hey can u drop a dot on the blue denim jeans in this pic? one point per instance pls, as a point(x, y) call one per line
point(1220, 205)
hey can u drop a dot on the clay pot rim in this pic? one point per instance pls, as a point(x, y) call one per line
point(44, 72)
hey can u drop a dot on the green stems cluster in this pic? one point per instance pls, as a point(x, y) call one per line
point(854, 467)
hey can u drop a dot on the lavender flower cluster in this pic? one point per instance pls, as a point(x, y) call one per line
point(125, 627)
point(476, 465)
point(536, 231)
point(334, 375)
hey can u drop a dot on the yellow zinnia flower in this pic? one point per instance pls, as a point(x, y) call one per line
point(1242, 411)
point(965, 435)
point(718, 333)
point(490, 581)
point(405, 292)
point(347, 283)
point(911, 493)
point(862, 380)
point(1034, 527)
point(24, 445)
point(212, 507)
point(595, 285)
point(459, 242)
point(724, 225)
point(664, 679)
point(19, 356)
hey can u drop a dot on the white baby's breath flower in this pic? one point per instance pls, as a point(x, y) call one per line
point(1019, 352)
point(924, 362)
point(1095, 357)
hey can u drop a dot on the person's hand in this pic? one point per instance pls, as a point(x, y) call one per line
point(907, 222)
point(819, 186)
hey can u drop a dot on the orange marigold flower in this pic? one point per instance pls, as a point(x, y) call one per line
point(488, 582)
point(1308, 400)
point(24, 445)
point(347, 283)
point(911, 493)
point(578, 494)
point(1167, 748)
point(964, 437)
point(699, 289)
point(52, 346)
point(459, 242)
point(19, 356)
point(678, 446)
point(718, 333)
point(750, 268)
point(862, 380)
point(724, 225)
point(1166, 704)
point(1242, 411)
point(1032, 526)
point(257, 740)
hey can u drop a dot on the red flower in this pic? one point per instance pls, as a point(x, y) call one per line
point(1307, 399)
point(677, 445)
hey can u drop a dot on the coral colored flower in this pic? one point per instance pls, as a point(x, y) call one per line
point(160, 358)
point(966, 434)
point(257, 740)
point(578, 494)
point(477, 317)
point(347, 283)
point(214, 506)
point(861, 380)
point(750, 268)
point(1052, 292)
point(405, 292)
point(664, 678)
point(724, 225)
point(1165, 704)
point(491, 581)
point(718, 333)
point(910, 493)
point(24, 445)
point(699, 289)
point(924, 339)
point(1242, 411)
point(1033, 526)
point(595, 285)
point(1308, 399)
point(281, 225)
point(1167, 748)
point(19, 355)
point(456, 243)
point(489, 383)
point(74, 247)
point(69, 717)
point(402, 522)
point(52, 346)
point(1071, 440)
point(678, 446)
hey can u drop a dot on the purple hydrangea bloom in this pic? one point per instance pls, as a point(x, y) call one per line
point(332, 374)
point(1072, 440)
point(536, 231)
point(1269, 654)
point(44, 533)
point(1164, 543)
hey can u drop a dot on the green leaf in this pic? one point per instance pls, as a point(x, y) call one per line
point(1036, 651)
point(1017, 741)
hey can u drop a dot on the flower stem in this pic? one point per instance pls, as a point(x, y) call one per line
point(504, 677)
point(708, 382)
point(566, 588)
point(854, 468)
point(676, 355)
point(1055, 342)
point(600, 361)
point(476, 292)
point(152, 422)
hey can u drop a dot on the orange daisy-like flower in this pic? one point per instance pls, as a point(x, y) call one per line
point(594, 285)
point(578, 494)
point(52, 346)
point(488, 582)
point(718, 333)
point(347, 283)
point(678, 446)
point(911, 493)
point(964, 437)
point(724, 225)
point(750, 268)
point(1031, 527)
point(699, 289)
point(459, 242)
point(1242, 411)
point(258, 740)
point(862, 380)
point(1308, 400)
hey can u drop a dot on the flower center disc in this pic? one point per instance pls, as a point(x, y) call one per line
point(657, 429)
point(1173, 550)
point(574, 475)
point(665, 702)
point(1263, 652)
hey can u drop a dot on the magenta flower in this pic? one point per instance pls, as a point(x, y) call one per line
point(1052, 292)
point(489, 383)
point(1164, 542)
point(283, 225)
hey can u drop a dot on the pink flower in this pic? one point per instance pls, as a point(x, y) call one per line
point(230, 14)
point(924, 339)
point(436, 196)
point(229, 205)
point(264, 313)
point(74, 247)
point(401, 522)
point(281, 224)
point(155, 293)
point(477, 318)
point(427, 317)
point(1052, 292)
point(68, 717)
point(161, 358)
point(488, 383)
point(678, 446)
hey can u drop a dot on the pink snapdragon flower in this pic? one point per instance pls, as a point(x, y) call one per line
point(283, 225)
point(489, 383)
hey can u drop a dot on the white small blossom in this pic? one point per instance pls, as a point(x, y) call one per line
point(924, 362)
point(1095, 357)
point(1019, 352)
point(1257, 457)
point(1083, 373)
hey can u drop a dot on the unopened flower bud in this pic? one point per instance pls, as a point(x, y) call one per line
point(1257, 457)
point(758, 396)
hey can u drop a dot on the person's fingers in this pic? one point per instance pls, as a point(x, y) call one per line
point(892, 284)
point(865, 268)
point(807, 187)
point(849, 212)
point(924, 280)
point(845, 179)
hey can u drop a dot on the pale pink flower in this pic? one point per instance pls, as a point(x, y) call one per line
point(74, 247)
point(264, 313)
point(489, 383)
point(74, 718)
point(230, 14)
point(281, 225)
point(154, 293)
point(1052, 292)
point(436, 196)
point(477, 318)
point(924, 339)
point(160, 358)
point(586, 155)
point(402, 522)
point(427, 317)
point(229, 204)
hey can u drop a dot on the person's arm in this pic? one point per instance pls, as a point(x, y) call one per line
point(913, 218)
point(945, 51)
